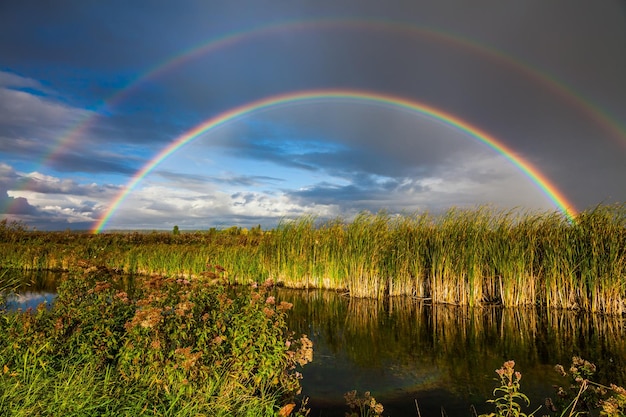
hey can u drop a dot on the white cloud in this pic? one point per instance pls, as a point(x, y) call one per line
point(23, 109)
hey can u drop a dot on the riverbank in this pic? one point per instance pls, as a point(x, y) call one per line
point(169, 347)
point(464, 257)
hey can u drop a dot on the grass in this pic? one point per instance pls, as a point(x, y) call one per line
point(169, 348)
point(463, 257)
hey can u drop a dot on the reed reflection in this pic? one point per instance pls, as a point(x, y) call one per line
point(401, 349)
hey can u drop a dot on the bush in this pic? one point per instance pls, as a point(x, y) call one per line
point(174, 347)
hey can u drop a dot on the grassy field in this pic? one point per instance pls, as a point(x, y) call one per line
point(463, 257)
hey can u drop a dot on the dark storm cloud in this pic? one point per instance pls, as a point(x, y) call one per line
point(34, 128)
point(92, 163)
point(61, 61)
point(350, 141)
point(352, 194)
point(18, 108)
point(13, 180)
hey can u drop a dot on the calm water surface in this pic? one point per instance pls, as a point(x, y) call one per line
point(440, 356)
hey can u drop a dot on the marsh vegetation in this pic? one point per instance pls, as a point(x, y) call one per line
point(170, 347)
point(463, 257)
point(194, 323)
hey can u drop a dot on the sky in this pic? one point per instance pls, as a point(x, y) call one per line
point(120, 115)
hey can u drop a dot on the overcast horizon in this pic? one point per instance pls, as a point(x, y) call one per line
point(92, 92)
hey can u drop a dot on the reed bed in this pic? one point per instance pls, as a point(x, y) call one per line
point(463, 257)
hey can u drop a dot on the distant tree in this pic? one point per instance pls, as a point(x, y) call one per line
point(176, 232)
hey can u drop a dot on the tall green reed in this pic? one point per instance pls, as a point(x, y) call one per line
point(463, 256)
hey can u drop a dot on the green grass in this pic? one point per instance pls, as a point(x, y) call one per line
point(464, 257)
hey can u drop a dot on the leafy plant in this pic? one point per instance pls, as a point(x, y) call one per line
point(581, 396)
point(365, 406)
point(509, 399)
point(171, 347)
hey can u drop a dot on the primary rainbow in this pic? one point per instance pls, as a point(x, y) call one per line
point(559, 200)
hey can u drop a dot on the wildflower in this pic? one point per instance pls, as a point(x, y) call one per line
point(122, 296)
point(550, 405)
point(284, 306)
point(560, 370)
point(189, 359)
point(182, 308)
point(58, 325)
point(270, 300)
point(305, 353)
point(101, 286)
point(218, 340)
point(351, 399)
point(146, 318)
point(286, 410)
point(618, 390)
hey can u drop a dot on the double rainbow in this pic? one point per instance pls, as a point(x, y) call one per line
point(288, 99)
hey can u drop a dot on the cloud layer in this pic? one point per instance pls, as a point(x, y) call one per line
point(82, 109)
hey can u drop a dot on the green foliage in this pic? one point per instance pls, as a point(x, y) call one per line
point(581, 396)
point(8, 284)
point(175, 231)
point(465, 256)
point(365, 406)
point(172, 347)
point(509, 399)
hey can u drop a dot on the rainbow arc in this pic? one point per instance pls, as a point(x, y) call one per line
point(293, 98)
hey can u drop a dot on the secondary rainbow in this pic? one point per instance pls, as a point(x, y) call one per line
point(608, 124)
point(559, 200)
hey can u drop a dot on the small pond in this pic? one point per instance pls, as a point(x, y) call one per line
point(440, 356)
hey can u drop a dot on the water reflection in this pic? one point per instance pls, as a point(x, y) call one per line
point(33, 289)
point(401, 350)
point(34, 281)
point(29, 300)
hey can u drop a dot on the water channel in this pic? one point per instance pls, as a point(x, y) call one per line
point(406, 352)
